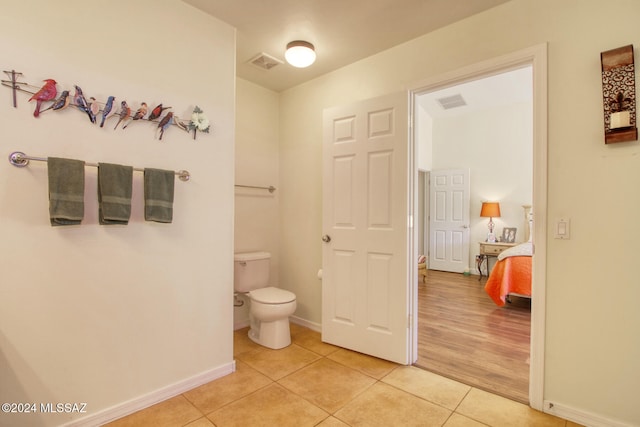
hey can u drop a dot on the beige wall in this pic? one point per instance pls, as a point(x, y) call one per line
point(592, 348)
point(109, 315)
point(256, 210)
point(496, 145)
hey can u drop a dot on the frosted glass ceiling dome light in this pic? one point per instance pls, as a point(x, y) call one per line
point(300, 54)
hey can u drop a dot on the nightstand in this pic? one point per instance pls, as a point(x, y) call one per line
point(490, 250)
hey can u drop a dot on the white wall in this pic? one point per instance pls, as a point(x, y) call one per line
point(110, 314)
point(496, 145)
point(256, 210)
point(592, 350)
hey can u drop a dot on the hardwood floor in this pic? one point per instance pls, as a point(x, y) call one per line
point(463, 335)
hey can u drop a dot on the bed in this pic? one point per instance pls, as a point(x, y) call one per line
point(511, 275)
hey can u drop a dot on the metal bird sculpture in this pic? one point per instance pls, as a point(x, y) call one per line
point(59, 104)
point(94, 109)
point(81, 102)
point(125, 113)
point(157, 112)
point(107, 110)
point(46, 93)
point(165, 123)
point(139, 114)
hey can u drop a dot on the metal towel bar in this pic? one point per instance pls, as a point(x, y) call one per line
point(21, 160)
point(271, 188)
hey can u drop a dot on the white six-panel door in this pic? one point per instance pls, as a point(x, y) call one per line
point(365, 275)
point(449, 220)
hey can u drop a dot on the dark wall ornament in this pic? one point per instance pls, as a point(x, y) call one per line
point(619, 95)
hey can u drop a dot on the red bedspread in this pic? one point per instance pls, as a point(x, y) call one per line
point(512, 275)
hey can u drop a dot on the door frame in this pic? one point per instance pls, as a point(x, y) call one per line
point(536, 57)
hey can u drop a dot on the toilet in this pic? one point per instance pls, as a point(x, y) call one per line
point(269, 307)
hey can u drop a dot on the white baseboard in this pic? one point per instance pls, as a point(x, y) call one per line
point(307, 324)
point(149, 399)
point(581, 417)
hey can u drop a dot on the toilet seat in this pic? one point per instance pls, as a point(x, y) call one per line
point(272, 295)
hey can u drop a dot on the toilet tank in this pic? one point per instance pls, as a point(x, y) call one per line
point(250, 271)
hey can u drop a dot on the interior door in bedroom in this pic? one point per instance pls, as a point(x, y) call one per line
point(365, 292)
point(449, 195)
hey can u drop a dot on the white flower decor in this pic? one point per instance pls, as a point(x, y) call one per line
point(199, 122)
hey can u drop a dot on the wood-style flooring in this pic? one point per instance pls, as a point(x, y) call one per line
point(463, 335)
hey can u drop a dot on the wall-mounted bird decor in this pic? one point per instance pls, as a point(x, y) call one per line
point(46, 93)
point(46, 97)
point(140, 113)
point(165, 123)
point(60, 104)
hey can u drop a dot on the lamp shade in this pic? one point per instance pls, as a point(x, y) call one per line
point(300, 54)
point(490, 209)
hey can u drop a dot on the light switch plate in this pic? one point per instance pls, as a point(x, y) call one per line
point(563, 228)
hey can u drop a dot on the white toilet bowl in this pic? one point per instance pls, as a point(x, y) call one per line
point(269, 313)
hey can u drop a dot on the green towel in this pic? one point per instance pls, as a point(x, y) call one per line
point(114, 193)
point(158, 195)
point(66, 191)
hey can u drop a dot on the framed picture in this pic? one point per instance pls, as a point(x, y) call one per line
point(509, 234)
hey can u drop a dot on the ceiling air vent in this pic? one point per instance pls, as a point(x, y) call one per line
point(454, 101)
point(264, 61)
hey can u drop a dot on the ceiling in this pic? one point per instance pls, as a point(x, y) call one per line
point(342, 31)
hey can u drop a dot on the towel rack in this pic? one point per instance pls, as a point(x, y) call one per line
point(19, 159)
point(271, 188)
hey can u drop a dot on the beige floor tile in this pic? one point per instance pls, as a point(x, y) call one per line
point(242, 343)
point(176, 411)
point(202, 422)
point(497, 411)
point(270, 406)
point(295, 329)
point(427, 385)
point(312, 340)
point(377, 368)
point(383, 405)
point(211, 396)
point(277, 364)
point(327, 384)
point(457, 420)
point(332, 422)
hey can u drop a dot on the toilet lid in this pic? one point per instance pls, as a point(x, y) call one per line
point(272, 295)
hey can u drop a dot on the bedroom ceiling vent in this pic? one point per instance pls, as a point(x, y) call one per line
point(449, 102)
point(264, 61)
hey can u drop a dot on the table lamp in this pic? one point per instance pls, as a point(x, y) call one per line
point(490, 210)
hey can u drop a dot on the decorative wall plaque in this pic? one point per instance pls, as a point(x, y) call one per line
point(619, 95)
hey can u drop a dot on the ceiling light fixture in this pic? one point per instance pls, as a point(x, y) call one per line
point(300, 54)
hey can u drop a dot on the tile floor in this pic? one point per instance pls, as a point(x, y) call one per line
point(311, 383)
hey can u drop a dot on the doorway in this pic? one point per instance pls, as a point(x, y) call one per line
point(405, 314)
point(534, 59)
point(483, 126)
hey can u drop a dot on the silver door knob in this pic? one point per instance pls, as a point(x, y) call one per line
point(326, 238)
point(465, 226)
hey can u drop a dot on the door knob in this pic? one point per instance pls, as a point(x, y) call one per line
point(326, 238)
point(465, 226)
